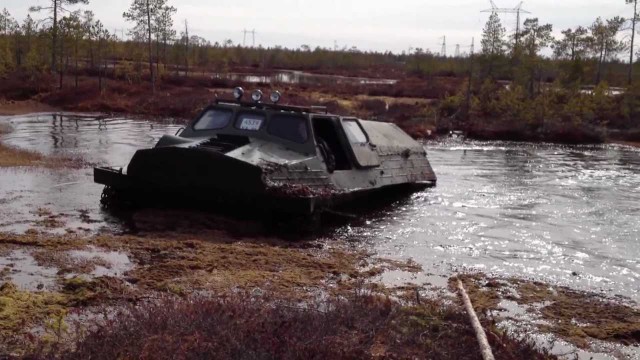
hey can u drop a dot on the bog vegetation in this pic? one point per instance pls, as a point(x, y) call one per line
point(528, 85)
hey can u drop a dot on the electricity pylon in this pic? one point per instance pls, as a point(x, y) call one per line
point(443, 51)
point(516, 10)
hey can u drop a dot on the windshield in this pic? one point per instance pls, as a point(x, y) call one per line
point(354, 132)
point(214, 119)
point(289, 127)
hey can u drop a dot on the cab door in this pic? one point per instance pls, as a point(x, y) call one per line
point(364, 153)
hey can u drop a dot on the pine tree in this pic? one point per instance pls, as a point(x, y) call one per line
point(144, 13)
point(164, 30)
point(535, 37)
point(605, 43)
point(634, 20)
point(493, 34)
point(573, 45)
point(8, 26)
point(56, 8)
point(493, 43)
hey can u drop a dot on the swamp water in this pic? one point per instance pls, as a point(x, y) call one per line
point(566, 215)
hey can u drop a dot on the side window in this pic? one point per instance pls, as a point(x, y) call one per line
point(289, 127)
point(250, 121)
point(214, 119)
point(354, 132)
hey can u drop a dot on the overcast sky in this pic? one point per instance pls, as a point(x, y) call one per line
point(368, 24)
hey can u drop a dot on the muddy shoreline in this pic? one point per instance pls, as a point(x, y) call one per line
point(24, 107)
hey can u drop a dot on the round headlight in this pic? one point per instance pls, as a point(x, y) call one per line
point(275, 97)
point(238, 93)
point(257, 95)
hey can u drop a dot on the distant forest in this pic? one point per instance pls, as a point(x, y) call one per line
point(69, 42)
point(530, 85)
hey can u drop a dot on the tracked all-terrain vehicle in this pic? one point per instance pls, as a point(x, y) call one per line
point(268, 157)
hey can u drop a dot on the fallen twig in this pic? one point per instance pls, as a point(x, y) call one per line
point(480, 334)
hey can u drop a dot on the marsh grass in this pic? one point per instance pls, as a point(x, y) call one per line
point(241, 326)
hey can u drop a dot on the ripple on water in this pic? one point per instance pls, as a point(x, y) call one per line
point(565, 214)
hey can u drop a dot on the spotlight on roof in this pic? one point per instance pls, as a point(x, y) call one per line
point(238, 93)
point(257, 95)
point(275, 97)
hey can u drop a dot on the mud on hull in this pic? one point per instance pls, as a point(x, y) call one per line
point(124, 190)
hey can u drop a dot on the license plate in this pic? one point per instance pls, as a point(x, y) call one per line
point(251, 124)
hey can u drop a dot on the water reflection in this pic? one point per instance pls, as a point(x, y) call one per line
point(64, 192)
point(299, 77)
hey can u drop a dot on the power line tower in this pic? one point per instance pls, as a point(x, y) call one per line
point(121, 31)
point(443, 51)
point(244, 38)
point(516, 10)
point(457, 50)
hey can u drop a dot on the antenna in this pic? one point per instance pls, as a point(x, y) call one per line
point(457, 50)
point(443, 51)
point(516, 10)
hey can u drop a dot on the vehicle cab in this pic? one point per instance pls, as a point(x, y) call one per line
point(341, 142)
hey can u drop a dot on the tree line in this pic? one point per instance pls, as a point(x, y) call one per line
point(546, 97)
point(68, 41)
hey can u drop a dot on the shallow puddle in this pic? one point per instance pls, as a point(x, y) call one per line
point(19, 267)
point(108, 263)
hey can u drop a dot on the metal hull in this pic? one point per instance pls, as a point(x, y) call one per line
point(243, 190)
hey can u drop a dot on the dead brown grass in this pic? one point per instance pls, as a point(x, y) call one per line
point(13, 157)
point(577, 317)
point(12, 107)
point(183, 264)
point(10, 157)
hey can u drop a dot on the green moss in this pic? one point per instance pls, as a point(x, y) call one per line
point(21, 310)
